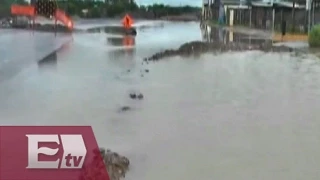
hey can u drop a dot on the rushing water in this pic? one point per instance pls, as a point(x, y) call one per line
point(232, 116)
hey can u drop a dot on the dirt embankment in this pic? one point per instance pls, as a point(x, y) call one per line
point(185, 17)
point(199, 47)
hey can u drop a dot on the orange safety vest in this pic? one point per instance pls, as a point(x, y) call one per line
point(127, 21)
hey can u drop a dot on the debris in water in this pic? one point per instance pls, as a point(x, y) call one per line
point(136, 96)
point(125, 108)
point(140, 96)
point(133, 96)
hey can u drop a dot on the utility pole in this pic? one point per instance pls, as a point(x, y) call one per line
point(273, 17)
point(308, 8)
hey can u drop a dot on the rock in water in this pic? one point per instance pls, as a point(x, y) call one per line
point(117, 166)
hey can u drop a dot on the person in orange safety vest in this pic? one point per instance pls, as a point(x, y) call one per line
point(127, 21)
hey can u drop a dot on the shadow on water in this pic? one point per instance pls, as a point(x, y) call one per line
point(108, 29)
point(126, 51)
point(219, 34)
point(14, 66)
point(50, 62)
point(122, 53)
point(126, 41)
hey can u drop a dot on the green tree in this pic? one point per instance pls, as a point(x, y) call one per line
point(6, 4)
point(108, 8)
point(314, 36)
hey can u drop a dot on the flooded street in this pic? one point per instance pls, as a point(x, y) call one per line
point(231, 116)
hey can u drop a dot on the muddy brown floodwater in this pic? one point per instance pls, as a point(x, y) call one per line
point(234, 115)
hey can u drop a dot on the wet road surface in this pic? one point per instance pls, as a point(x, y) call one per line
point(248, 115)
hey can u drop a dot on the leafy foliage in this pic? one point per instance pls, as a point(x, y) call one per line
point(314, 36)
point(5, 6)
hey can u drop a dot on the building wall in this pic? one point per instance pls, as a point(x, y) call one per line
point(293, 25)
